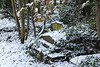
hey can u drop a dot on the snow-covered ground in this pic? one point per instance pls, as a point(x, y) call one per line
point(77, 60)
point(12, 53)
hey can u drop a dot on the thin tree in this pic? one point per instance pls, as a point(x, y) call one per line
point(15, 15)
point(76, 3)
point(32, 14)
point(27, 1)
point(98, 20)
point(39, 4)
point(54, 2)
point(22, 22)
point(27, 23)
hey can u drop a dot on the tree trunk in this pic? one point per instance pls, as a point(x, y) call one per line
point(76, 2)
point(44, 2)
point(27, 22)
point(98, 21)
point(3, 4)
point(22, 22)
point(39, 4)
point(60, 1)
point(54, 2)
point(32, 14)
point(15, 15)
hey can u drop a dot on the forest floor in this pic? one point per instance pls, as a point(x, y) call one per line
point(12, 53)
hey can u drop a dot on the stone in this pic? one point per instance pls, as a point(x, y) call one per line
point(48, 39)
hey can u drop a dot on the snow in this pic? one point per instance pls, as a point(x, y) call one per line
point(18, 13)
point(42, 48)
point(4, 23)
point(56, 35)
point(1, 16)
point(56, 55)
point(48, 12)
point(85, 4)
point(57, 22)
point(12, 54)
point(58, 2)
point(36, 9)
point(41, 30)
point(47, 43)
point(64, 64)
point(78, 59)
point(29, 4)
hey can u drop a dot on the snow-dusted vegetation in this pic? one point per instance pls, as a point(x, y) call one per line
point(46, 33)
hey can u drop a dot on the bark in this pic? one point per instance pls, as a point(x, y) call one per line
point(0, 3)
point(3, 6)
point(32, 14)
point(39, 4)
point(27, 23)
point(60, 1)
point(44, 2)
point(76, 10)
point(98, 22)
point(22, 22)
point(32, 0)
point(44, 23)
point(15, 15)
point(54, 2)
